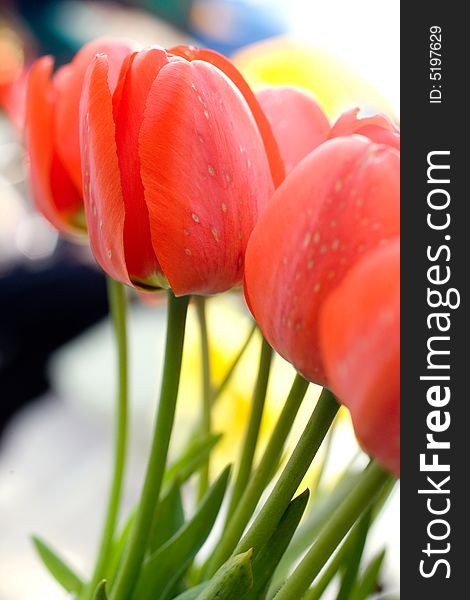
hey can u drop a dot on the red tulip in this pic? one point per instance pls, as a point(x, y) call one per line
point(52, 132)
point(298, 122)
point(300, 125)
point(176, 170)
point(337, 204)
point(360, 341)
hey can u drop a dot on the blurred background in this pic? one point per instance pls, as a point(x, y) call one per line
point(56, 346)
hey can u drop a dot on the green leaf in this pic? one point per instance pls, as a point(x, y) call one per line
point(100, 592)
point(58, 568)
point(168, 518)
point(232, 581)
point(369, 581)
point(325, 505)
point(193, 593)
point(353, 557)
point(271, 553)
point(167, 564)
point(191, 459)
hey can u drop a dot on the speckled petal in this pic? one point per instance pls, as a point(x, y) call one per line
point(102, 191)
point(218, 60)
point(68, 83)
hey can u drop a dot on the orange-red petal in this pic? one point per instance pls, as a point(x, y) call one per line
point(378, 128)
point(205, 174)
point(360, 341)
point(218, 60)
point(68, 83)
point(298, 122)
point(337, 204)
point(54, 194)
point(13, 99)
point(102, 193)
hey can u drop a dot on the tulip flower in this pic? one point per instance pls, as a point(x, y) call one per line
point(52, 132)
point(339, 203)
point(360, 341)
point(178, 164)
point(298, 122)
point(300, 125)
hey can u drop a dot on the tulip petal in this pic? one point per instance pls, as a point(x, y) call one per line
point(102, 194)
point(298, 122)
point(68, 83)
point(129, 105)
point(377, 128)
point(53, 192)
point(360, 340)
point(218, 60)
point(338, 203)
point(205, 174)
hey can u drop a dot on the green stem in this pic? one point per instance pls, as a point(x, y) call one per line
point(252, 431)
point(200, 302)
point(293, 473)
point(228, 375)
point(317, 483)
point(117, 303)
point(260, 477)
point(373, 479)
point(135, 549)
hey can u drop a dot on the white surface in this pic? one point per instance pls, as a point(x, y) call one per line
point(365, 34)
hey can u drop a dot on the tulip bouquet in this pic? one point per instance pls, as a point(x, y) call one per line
point(185, 180)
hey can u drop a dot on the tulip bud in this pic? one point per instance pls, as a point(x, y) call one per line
point(298, 122)
point(176, 172)
point(339, 203)
point(52, 132)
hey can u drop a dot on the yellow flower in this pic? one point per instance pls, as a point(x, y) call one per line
point(285, 61)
